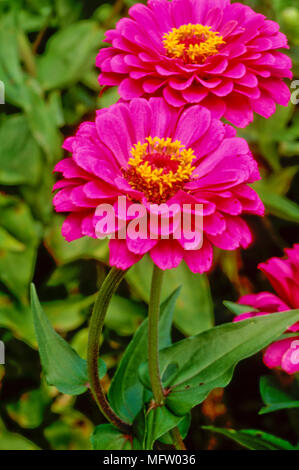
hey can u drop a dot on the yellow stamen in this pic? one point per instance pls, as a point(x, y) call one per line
point(193, 43)
point(157, 182)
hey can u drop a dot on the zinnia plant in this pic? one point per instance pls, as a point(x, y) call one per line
point(157, 160)
point(283, 273)
point(222, 55)
point(138, 225)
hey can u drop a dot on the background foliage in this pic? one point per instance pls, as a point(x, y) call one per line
point(47, 59)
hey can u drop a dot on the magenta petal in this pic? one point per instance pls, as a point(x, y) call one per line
point(115, 136)
point(71, 228)
point(274, 353)
point(238, 110)
point(120, 256)
point(129, 89)
point(237, 234)
point(216, 105)
point(173, 97)
point(167, 254)
point(140, 247)
point(192, 124)
point(141, 115)
point(200, 261)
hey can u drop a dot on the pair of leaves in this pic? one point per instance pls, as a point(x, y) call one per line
point(191, 368)
point(63, 367)
point(206, 361)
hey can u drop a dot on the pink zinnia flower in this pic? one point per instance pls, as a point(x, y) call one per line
point(150, 152)
point(283, 273)
point(224, 56)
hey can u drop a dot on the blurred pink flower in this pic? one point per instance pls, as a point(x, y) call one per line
point(283, 273)
point(222, 55)
point(115, 156)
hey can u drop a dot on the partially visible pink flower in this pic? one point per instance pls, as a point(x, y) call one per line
point(283, 273)
point(283, 354)
point(142, 150)
point(222, 55)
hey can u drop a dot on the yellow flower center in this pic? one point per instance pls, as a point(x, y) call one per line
point(193, 43)
point(159, 168)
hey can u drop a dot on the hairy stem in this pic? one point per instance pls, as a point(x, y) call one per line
point(108, 288)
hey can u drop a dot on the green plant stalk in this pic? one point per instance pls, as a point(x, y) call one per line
point(105, 294)
point(177, 439)
point(153, 336)
point(153, 349)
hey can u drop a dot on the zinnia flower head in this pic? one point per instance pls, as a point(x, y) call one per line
point(151, 153)
point(222, 55)
point(283, 274)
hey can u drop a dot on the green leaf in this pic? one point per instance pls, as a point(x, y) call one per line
point(281, 181)
point(207, 361)
point(59, 67)
point(126, 393)
point(124, 315)
point(18, 319)
point(183, 427)
point(253, 439)
point(29, 410)
point(42, 122)
point(13, 441)
point(238, 309)
point(158, 422)
point(63, 367)
point(274, 398)
point(194, 309)
point(65, 434)
point(107, 437)
point(10, 66)
point(17, 220)
point(74, 310)
point(278, 205)
point(18, 153)
point(9, 243)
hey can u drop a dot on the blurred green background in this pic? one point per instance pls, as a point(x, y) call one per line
point(47, 56)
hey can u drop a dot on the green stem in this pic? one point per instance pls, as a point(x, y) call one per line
point(26, 54)
point(153, 336)
point(177, 439)
point(153, 349)
point(107, 289)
